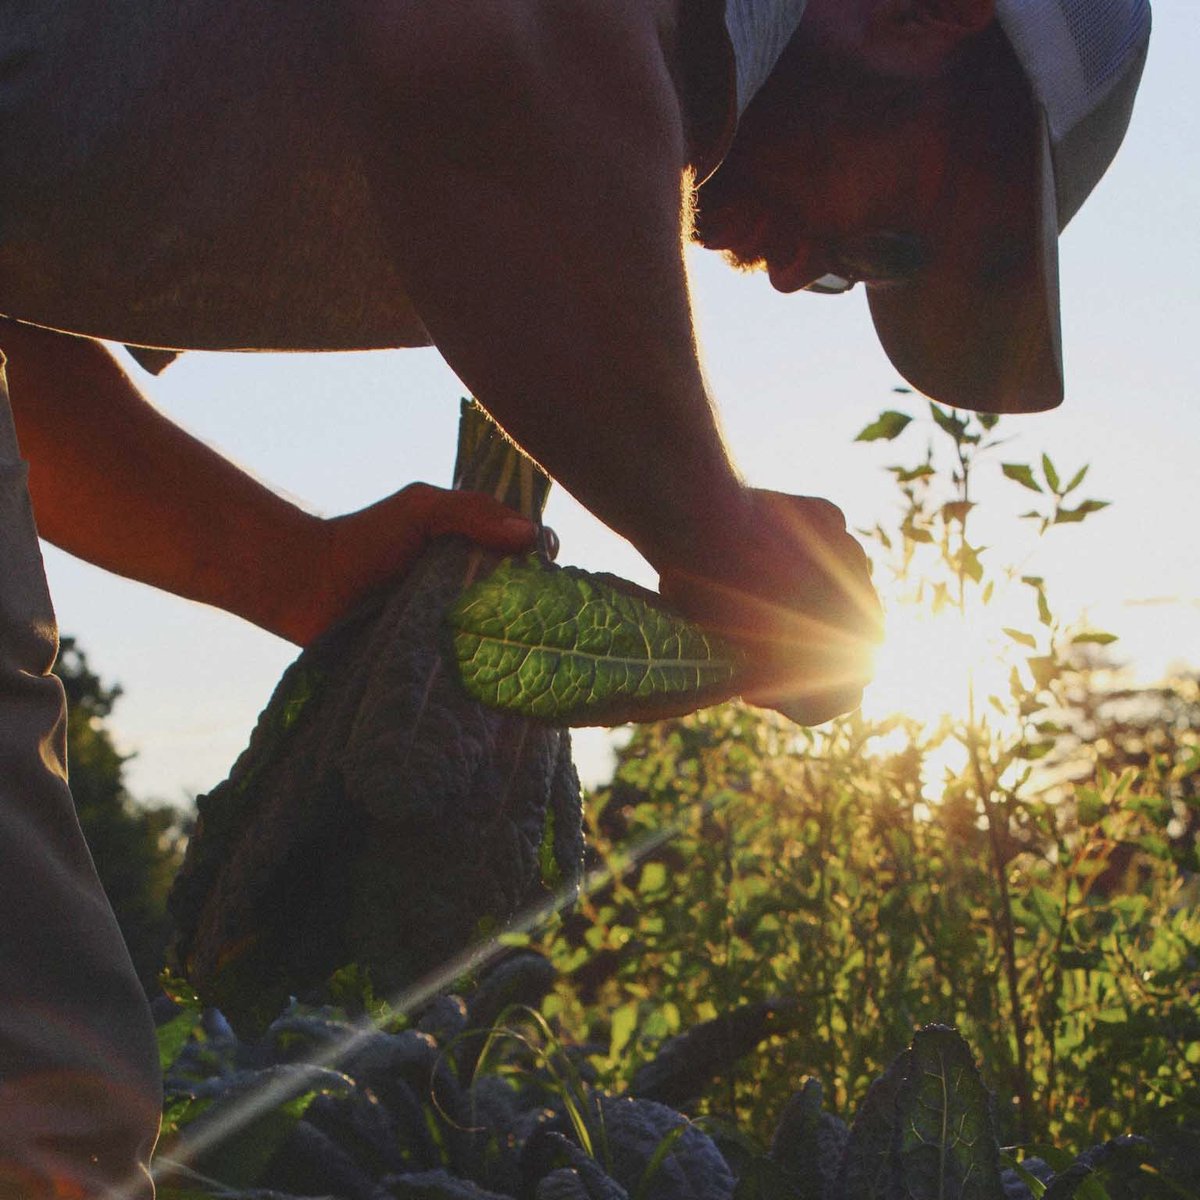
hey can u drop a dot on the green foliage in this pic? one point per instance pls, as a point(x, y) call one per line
point(137, 848)
point(423, 1116)
point(1021, 870)
point(174, 1033)
point(575, 648)
point(888, 425)
point(784, 905)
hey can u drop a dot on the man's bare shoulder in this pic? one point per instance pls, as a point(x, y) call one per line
point(498, 47)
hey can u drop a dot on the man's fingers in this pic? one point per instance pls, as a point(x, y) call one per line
point(820, 528)
point(800, 602)
point(474, 515)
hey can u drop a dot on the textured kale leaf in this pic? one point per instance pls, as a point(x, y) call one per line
point(688, 1063)
point(380, 815)
point(809, 1144)
point(576, 648)
point(655, 1153)
point(867, 1172)
point(1127, 1151)
point(946, 1136)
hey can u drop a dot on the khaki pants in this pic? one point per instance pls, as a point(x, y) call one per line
point(79, 1081)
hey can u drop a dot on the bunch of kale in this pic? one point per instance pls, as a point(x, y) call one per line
point(380, 816)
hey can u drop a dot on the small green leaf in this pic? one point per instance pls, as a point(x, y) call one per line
point(956, 510)
point(1068, 516)
point(956, 427)
point(1022, 473)
point(621, 1029)
point(1043, 667)
point(654, 878)
point(1050, 473)
point(1032, 751)
point(1046, 908)
point(1093, 639)
point(1076, 480)
point(908, 474)
point(173, 1035)
point(1043, 607)
point(968, 563)
point(567, 646)
point(887, 426)
point(1090, 807)
point(1025, 639)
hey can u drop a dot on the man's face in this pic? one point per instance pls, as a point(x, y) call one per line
point(834, 171)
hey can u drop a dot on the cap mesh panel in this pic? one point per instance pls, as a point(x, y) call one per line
point(1104, 31)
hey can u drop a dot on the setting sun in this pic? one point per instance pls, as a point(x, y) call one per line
point(930, 662)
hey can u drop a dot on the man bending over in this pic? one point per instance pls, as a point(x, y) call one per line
point(513, 181)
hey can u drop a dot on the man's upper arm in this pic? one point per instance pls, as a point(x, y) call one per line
point(534, 192)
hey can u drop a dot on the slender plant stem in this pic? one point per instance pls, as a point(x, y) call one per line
point(1007, 931)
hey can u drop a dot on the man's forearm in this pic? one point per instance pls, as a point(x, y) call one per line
point(537, 221)
point(116, 483)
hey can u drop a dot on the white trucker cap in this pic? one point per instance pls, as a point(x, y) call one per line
point(979, 328)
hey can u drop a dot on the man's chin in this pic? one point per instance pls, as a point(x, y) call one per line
point(739, 262)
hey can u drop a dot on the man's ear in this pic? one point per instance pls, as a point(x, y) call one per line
point(915, 38)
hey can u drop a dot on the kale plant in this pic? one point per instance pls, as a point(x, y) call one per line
point(472, 1102)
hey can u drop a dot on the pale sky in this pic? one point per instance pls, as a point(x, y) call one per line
point(795, 378)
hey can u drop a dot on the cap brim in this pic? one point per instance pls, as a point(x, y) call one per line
point(979, 327)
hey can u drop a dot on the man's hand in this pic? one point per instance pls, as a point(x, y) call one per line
point(361, 550)
point(786, 582)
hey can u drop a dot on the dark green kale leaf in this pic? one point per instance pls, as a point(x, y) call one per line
point(569, 646)
point(945, 1132)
